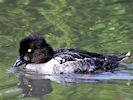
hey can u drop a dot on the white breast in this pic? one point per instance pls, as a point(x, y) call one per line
point(43, 68)
point(53, 66)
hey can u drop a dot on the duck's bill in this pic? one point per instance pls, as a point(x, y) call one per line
point(18, 63)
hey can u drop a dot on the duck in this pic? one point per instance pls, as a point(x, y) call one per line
point(36, 55)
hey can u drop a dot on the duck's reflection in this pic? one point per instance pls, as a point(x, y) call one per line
point(36, 85)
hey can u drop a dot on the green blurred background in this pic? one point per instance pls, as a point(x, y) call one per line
point(103, 26)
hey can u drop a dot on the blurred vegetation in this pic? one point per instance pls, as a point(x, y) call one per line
point(93, 25)
point(103, 26)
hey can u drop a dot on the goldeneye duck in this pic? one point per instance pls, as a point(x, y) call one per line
point(38, 56)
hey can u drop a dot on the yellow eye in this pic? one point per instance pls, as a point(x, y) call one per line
point(29, 50)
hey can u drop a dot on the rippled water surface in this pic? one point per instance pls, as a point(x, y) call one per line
point(103, 26)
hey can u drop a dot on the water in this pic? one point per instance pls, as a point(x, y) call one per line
point(103, 26)
point(41, 86)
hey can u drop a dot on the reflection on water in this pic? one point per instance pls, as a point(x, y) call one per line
point(36, 85)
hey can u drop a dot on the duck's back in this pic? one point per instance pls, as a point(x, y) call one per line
point(72, 54)
point(101, 62)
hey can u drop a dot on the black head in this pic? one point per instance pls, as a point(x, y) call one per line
point(34, 49)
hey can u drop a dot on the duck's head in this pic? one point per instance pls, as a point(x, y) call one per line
point(34, 49)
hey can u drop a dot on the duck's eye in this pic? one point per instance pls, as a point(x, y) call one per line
point(29, 50)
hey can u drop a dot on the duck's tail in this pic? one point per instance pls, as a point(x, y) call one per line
point(124, 57)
